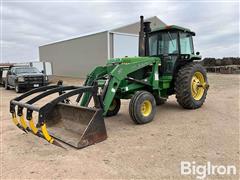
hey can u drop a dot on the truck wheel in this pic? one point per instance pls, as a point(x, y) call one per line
point(6, 85)
point(142, 107)
point(191, 86)
point(114, 107)
point(17, 89)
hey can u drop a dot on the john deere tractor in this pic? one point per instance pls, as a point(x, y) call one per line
point(167, 65)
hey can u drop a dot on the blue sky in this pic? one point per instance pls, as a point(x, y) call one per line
point(28, 24)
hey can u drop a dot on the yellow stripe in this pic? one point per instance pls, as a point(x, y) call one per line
point(33, 127)
point(22, 120)
point(45, 134)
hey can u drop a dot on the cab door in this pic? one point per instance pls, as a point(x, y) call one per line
point(169, 51)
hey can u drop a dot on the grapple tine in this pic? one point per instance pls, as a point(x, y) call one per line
point(48, 137)
point(46, 134)
point(15, 121)
point(23, 123)
point(33, 128)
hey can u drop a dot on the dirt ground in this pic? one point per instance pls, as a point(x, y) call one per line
point(150, 151)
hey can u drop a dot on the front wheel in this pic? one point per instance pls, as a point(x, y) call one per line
point(17, 89)
point(142, 107)
point(114, 107)
point(191, 86)
point(6, 85)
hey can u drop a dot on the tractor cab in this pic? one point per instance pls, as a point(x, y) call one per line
point(171, 40)
point(174, 45)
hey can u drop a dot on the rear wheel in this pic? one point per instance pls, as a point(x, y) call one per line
point(191, 86)
point(142, 107)
point(114, 107)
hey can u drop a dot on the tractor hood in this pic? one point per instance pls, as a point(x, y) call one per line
point(129, 60)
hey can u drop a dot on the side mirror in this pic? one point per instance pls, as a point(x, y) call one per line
point(197, 53)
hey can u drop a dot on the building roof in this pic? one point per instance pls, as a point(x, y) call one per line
point(133, 28)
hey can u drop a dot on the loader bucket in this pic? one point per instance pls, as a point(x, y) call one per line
point(75, 125)
point(58, 120)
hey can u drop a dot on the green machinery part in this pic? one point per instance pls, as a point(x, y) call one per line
point(118, 79)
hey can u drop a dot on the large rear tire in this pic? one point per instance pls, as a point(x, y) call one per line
point(142, 107)
point(191, 86)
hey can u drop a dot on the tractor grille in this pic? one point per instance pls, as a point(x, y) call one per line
point(37, 79)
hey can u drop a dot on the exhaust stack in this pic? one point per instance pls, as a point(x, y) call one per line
point(145, 29)
point(141, 45)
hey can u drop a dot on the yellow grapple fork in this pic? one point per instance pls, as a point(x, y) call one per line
point(74, 125)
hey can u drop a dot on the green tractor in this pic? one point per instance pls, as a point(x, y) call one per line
point(166, 65)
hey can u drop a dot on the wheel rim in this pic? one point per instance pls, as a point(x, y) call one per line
point(197, 85)
point(113, 105)
point(146, 108)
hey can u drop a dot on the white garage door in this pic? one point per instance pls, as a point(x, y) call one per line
point(40, 67)
point(125, 45)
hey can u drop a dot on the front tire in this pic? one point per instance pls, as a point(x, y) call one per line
point(191, 86)
point(6, 85)
point(142, 107)
point(17, 89)
point(114, 107)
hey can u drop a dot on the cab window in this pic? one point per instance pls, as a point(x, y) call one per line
point(186, 45)
point(153, 43)
point(168, 43)
point(163, 43)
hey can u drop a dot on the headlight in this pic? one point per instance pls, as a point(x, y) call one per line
point(20, 79)
point(46, 78)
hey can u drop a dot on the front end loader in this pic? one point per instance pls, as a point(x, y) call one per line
point(166, 65)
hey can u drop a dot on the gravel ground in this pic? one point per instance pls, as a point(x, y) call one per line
point(150, 151)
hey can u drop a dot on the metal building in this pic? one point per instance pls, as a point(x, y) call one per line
point(77, 57)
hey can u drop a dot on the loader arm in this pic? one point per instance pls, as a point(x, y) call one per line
point(116, 74)
point(121, 71)
point(94, 75)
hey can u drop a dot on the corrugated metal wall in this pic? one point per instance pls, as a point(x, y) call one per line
point(76, 57)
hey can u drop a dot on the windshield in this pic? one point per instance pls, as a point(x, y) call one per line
point(26, 70)
point(163, 43)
